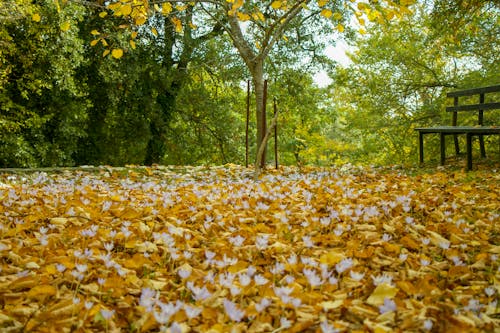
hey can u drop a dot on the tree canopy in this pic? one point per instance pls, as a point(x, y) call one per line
point(254, 27)
point(94, 82)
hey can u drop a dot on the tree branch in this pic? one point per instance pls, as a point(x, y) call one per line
point(276, 30)
point(240, 42)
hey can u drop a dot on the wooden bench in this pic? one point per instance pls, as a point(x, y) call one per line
point(470, 131)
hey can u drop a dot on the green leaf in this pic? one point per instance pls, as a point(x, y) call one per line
point(65, 26)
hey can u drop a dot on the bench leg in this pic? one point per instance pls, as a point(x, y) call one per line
point(469, 151)
point(457, 147)
point(421, 147)
point(481, 145)
point(443, 147)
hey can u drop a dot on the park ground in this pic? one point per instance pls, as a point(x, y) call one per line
point(209, 249)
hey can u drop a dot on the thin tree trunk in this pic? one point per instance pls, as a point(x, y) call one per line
point(255, 59)
point(264, 125)
point(258, 83)
point(260, 152)
point(247, 123)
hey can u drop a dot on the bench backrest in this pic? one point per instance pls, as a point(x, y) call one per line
point(479, 107)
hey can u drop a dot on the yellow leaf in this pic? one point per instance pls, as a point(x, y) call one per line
point(379, 328)
point(373, 15)
point(36, 17)
point(239, 266)
point(114, 5)
point(95, 32)
point(117, 53)
point(236, 4)
point(260, 16)
point(140, 20)
point(331, 305)
point(276, 4)
point(155, 284)
point(103, 14)
point(383, 291)
point(132, 44)
point(60, 221)
point(437, 239)
point(136, 262)
point(51, 269)
point(321, 3)
point(393, 248)
point(337, 16)
point(23, 283)
point(326, 13)
point(177, 23)
point(94, 42)
point(42, 290)
point(105, 53)
point(243, 17)
point(154, 31)
point(132, 35)
point(126, 9)
point(65, 26)
point(340, 28)
point(166, 8)
point(116, 198)
point(362, 5)
point(331, 258)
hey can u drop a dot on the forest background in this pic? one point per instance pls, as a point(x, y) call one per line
point(78, 88)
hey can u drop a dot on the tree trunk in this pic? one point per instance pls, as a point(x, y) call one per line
point(258, 83)
point(261, 150)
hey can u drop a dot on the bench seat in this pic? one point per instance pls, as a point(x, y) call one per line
point(477, 130)
point(480, 130)
point(469, 131)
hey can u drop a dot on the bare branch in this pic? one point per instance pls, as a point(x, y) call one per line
point(88, 3)
point(277, 29)
point(240, 42)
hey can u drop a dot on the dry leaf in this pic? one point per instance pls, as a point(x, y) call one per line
point(381, 292)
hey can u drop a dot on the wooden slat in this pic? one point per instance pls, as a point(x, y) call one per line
point(474, 91)
point(473, 107)
point(460, 129)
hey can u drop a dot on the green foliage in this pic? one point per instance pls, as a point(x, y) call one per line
point(175, 96)
point(209, 125)
point(43, 106)
point(127, 99)
point(306, 123)
point(398, 81)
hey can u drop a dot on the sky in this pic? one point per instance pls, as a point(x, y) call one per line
point(337, 53)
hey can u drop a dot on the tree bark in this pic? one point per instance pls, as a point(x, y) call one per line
point(258, 82)
point(262, 147)
point(255, 59)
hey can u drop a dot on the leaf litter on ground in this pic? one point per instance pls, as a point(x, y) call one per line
point(181, 249)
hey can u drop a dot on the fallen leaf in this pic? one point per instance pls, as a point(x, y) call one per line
point(381, 292)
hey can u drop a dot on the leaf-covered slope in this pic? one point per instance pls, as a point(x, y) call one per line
point(210, 250)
